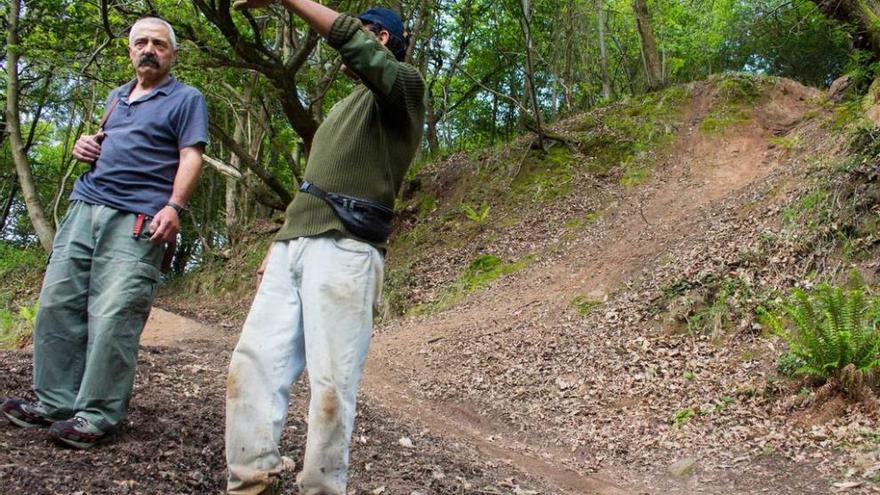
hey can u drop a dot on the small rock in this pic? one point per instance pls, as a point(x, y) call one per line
point(406, 443)
point(378, 491)
point(840, 88)
point(846, 485)
point(683, 467)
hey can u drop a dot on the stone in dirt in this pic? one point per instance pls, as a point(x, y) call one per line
point(683, 467)
point(840, 88)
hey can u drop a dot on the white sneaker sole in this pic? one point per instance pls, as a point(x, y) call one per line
point(22, 424)
point(74, 443)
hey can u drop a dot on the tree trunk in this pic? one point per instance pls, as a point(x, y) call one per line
point(650, 56)
point(603, 51)
point(7, 206)
point(530, 73)
point(864, 15)
point(431, 123)
point(43, 228)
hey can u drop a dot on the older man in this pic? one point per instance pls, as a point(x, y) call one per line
point(104, 268)
point(324, 272)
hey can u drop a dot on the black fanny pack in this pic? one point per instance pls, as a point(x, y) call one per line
point(369, 220)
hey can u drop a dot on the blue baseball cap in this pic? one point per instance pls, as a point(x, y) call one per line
point(386, 18)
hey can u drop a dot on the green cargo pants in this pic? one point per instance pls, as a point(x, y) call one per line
point(96, 297)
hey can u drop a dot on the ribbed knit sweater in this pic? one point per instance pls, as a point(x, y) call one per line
point(368, 140)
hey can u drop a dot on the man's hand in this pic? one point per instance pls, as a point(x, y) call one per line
point(88, 148)
point(165, 225)
point(250, 4)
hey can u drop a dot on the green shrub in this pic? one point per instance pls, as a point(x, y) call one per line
point(21, 269)
point(17, 328)
point(478, 216)
point(683, 416)
point(788, 364)
point(831, 329)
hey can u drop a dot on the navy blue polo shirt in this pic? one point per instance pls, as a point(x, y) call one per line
point(141, 148)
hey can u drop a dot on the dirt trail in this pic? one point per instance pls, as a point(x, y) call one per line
point(168, 329)
point(700, 171)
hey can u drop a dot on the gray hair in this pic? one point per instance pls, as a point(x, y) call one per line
point(153, 20)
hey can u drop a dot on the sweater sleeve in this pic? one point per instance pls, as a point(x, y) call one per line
point(393, 82)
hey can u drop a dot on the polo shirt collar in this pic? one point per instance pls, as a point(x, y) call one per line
point(165, 88)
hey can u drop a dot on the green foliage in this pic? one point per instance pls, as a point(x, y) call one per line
point(721, 118)
point(15, 259)
point(480, 273)
point(622, 135)
point(395, 280)
point(736, 95)
point(584, 305)
point(586, 219)
point(21, 270)
point(714, 316)
point(862, 69)
point(16, 328)
point(831, 328)
point(427, 205)
point(634, 175)
point(811, 211)
point(788, 364)
point(544, 176)
point(738, 88)
point(478, 216)
point(722, 403)
point(683, 416)
point(787, 142)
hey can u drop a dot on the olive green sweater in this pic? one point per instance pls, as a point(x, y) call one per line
point(368, 140)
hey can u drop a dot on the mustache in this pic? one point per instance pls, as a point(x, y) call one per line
point(150, 60)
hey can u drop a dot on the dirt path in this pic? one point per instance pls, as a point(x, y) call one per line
point(168, 329)
point(172, 441)
point(450, 421)
point(700, 171)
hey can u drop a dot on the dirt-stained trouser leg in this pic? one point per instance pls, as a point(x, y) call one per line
point(315, 306)
point(268, 358)
point(341, 282)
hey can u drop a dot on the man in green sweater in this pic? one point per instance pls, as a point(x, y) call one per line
point(323, 273)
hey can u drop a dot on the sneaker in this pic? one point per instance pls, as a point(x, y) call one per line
point(26, 414)
point(78, 432)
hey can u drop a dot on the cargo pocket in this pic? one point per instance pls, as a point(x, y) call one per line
point(143, 285)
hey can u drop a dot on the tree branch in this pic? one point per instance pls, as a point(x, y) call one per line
point(267, 178)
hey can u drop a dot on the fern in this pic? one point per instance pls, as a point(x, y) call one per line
point(832, 328)
point(477, 216)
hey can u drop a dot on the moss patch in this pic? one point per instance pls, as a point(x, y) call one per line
point(617, 135)
point(480, 273)
point(584, 305)
point(583, 220)
point(544, 176)
point(736, 95)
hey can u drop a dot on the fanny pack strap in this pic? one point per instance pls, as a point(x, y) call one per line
point(347, 201)
point(308, 187)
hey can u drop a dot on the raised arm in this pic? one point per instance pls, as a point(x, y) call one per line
point(319, 17)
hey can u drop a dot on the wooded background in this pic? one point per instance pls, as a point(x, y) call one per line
point(494, 69)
